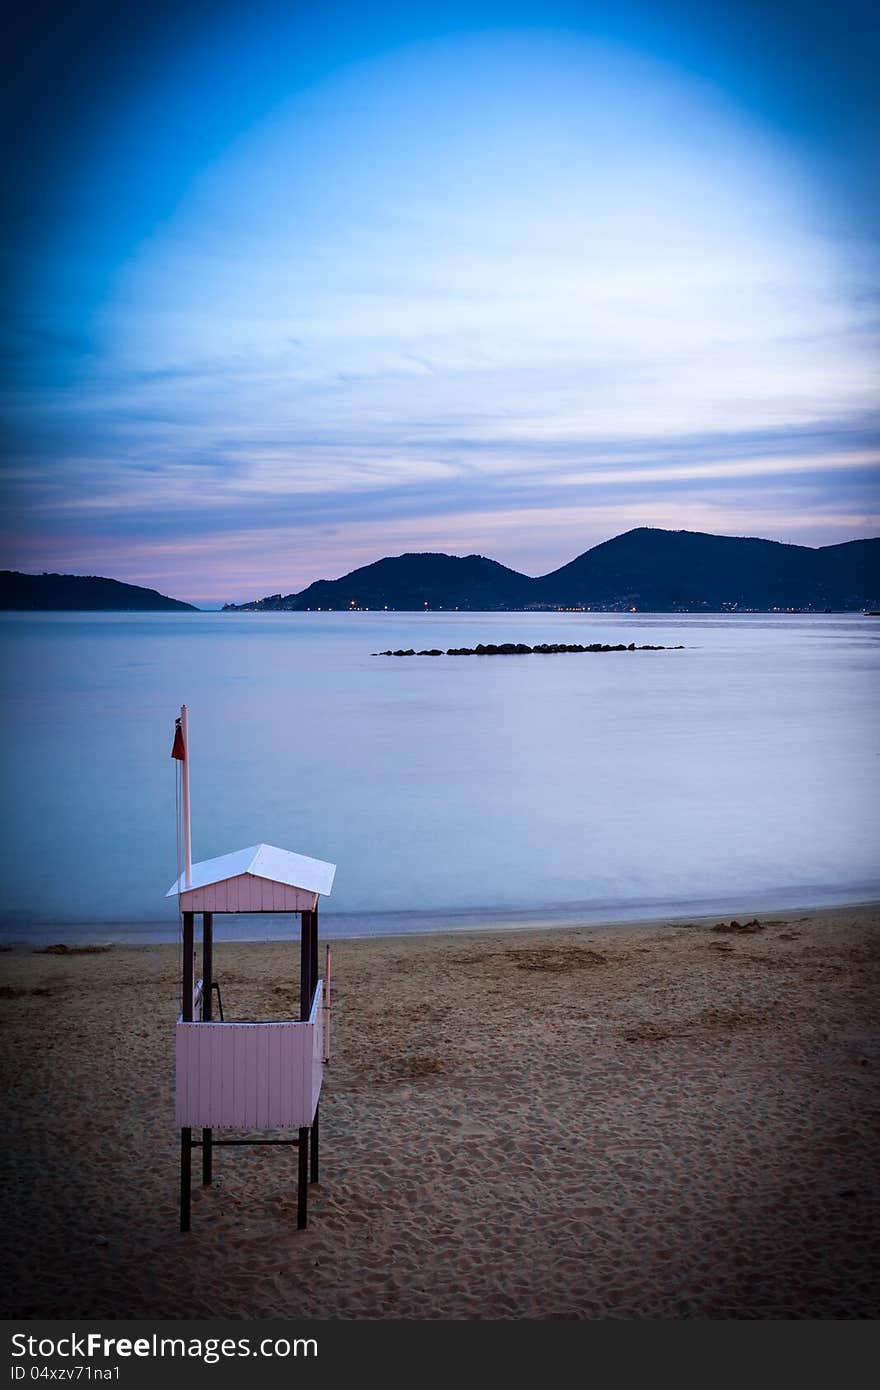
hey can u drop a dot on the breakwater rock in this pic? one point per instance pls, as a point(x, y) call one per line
point(520, 649)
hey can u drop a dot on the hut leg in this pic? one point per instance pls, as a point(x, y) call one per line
point(185, 1177)
point(207, 966)
point(186, 1010)
point(313, 952)
point(305, 966)
point(314, 1146)
point(302, 1185)
point(186, 1001)
point(207, 1016)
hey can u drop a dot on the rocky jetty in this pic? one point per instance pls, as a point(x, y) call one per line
point(520, 649)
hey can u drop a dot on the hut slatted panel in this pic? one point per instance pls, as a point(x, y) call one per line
point(247, 893)
point(250, 1075)
point(317, 1060)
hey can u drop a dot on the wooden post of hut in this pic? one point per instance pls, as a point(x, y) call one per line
point(237, 1075)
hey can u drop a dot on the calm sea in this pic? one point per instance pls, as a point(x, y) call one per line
point(740, 773)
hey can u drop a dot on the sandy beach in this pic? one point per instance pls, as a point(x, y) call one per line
point(661, 1120)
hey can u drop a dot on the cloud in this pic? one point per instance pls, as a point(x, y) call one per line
point(407, 306)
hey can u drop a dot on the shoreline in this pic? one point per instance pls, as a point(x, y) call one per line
point(656, 1119)
point(16, 937)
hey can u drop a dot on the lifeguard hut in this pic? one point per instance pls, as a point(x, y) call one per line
point(247, 1075)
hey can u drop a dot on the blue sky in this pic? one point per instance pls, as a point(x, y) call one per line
point(288, 293)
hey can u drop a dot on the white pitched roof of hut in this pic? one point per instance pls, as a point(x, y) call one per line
point(263, 861)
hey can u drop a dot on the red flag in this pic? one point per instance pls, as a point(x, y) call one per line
point(178, 749)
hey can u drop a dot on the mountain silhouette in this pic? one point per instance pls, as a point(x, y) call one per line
point(688, 570)
point(79, 593)
point(413, 581)
point(647, 568)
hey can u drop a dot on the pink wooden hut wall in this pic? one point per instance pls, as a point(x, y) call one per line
point(250, 1075)
point(247, 893)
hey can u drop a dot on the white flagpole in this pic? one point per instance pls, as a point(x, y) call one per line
point(187, 832)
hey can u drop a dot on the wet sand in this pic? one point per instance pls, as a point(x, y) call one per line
point(646, 1121)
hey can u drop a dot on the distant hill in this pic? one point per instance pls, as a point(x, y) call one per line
point(688, 570)
point(83, 594)
point(649, 569)
point(411, 582)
